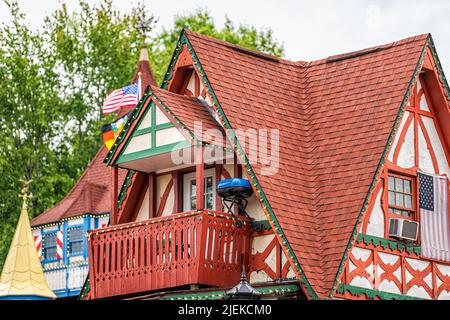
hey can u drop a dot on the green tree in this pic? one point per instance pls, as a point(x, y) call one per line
point(201, 21)
point(52, 82)
point(30, 118)
point(96, 49)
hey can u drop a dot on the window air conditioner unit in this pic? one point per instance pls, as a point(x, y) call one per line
point(403, 229)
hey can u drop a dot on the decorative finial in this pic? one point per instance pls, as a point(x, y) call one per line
point(243, 275)
point(145, 21)
point(24, 190)
point(243, 290)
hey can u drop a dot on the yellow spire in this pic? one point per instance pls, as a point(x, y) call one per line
point(22, 274)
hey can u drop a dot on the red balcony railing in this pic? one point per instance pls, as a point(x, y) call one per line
point(204, 248)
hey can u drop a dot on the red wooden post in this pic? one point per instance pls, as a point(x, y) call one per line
point(201, 229)
point(236, 174)
point(199, 178)
point(114, 191)
point(152, 195)
point(197, 85)
point(235, 167)
point(92, 273)
point(219, 204)
point(434, 284)
point(376, 278)
point(177, 191)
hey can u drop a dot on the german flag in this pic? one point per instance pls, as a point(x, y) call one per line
point(111, 131)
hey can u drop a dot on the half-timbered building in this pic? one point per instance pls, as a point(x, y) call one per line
point(341, 204)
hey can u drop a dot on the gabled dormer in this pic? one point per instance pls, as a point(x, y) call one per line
point(177, 152)
point(403, 247)
point(186, 80)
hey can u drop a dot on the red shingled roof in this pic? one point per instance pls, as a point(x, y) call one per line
point(334, 116)
point(188, 110)
point(145, 69)
point(147, 77)
point(91, 193)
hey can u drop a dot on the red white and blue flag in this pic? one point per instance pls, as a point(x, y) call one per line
point(121, 98)
point(435, 229)
point(59, 245)
point(38, 244)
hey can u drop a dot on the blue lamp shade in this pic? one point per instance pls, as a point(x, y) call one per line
point(237, 188)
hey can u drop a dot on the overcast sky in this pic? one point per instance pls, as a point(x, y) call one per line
point(308, 29)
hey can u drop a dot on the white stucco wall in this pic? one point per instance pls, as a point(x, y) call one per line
point(160, 117)
point(375, 226)
point(437, 146)
point(425, 160)
point(397, 136)
point(139, 143)
point(407, 150)
point(161, 184)
point(143, 210)
point(146, 121)
point(358, 281)
point(388, 285)
point(168, 136)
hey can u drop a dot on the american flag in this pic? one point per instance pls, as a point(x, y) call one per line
point(121, 98)
point(435, 230)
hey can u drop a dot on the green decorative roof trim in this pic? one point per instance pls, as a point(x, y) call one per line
point(381, 163)
point(386, 243)
point(241, 154)
point(125, 185)
point(439, 67)
point(372, 294)
point(85, 290)
point(216, 295)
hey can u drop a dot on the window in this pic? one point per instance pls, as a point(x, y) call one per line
point(49, 246)
point(401, 196)
point(75, 240)
point(190, 190)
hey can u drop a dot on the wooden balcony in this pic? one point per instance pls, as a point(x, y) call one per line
point(201, 247)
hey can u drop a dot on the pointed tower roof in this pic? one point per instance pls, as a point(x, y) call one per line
point(22, 276)
point(144, 68)
point(147, 77)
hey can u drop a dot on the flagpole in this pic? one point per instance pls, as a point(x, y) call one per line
point(139, 86)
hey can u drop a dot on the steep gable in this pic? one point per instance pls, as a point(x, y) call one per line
point(161, 123)
point(340, 111)
point(154, 134)
point(377, 265)
point(419, 142)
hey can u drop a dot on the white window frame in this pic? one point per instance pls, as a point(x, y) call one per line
point(187, 178)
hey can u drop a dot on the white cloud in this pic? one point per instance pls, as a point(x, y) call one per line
point(309, 30)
